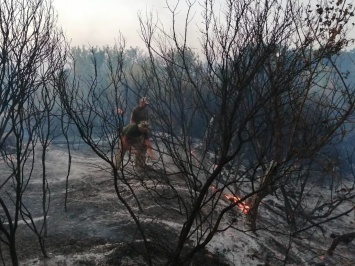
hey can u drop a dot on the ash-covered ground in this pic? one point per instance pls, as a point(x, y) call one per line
point(96, 229)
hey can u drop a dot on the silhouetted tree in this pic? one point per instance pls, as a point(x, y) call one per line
point(268, 78)
point(32, 51)
point(266, 90)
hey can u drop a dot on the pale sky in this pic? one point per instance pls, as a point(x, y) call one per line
point(99, 22)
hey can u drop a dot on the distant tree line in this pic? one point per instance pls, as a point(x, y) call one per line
point(133, 56)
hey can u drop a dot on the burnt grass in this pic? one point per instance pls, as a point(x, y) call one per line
point(95, 228)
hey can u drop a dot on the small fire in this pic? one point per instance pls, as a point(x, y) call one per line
point(234, 199)
point(242, 206)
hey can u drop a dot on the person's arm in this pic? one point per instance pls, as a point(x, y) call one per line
point(124, 143)
point(150, 151)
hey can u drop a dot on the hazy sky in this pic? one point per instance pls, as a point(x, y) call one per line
point(98, 22)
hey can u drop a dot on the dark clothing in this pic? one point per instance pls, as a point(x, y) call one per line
point(140, 114)
point(132, 140)
point(132, 132)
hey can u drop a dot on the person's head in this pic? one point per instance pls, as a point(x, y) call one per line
point(143, 126)
point(143, 102)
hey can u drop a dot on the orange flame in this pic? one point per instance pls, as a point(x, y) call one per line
point(242, 206)
point(233, 199)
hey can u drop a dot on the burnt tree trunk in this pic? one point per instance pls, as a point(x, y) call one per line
point(345, 238)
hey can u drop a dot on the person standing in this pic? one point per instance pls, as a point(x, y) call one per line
point(132, 139)
point(135, 136)
point(140, 113)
